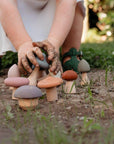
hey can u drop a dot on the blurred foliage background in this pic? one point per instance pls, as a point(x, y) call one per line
point(101, 17)
point(98, 43)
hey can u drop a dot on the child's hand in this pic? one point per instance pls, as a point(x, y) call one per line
point(52, 55)
point(26, 52)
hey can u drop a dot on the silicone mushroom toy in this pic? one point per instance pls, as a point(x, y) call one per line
point(70, 76)
point(50, 83)
point(28, 96)
point(13, 71)
point(15, 82)
point(38, 71)
point(84, 67)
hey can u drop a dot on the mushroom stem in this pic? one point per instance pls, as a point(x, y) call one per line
point(28, 104)
point(51, 94)
point(34, 76)
point(13, 92)
point(85, 79)
point(70, 87)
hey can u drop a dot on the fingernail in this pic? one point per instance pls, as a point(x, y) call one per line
point(49, 57)
point(37, 65)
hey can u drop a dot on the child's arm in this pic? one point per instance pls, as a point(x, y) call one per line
point(14, 28)
point(62, 23)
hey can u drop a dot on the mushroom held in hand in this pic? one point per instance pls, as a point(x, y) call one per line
point(15, 82)
point(69, 76)
point(84, 67)
point(50, 83)
point(28, 96)
point(37, 72)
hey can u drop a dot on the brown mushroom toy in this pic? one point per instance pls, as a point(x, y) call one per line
point(15, 82)
point(28, 96)
point(70, 76)
point(50, 83)
point(83, 68)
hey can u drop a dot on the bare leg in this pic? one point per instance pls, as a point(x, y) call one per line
point(74, 37)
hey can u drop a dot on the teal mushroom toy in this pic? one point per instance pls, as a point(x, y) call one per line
point(38, 71)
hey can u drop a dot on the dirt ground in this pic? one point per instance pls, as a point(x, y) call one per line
point(88, 101)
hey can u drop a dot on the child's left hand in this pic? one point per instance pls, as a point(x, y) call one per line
point(52, 55)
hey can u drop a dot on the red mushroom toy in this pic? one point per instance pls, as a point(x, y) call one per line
point(70, 76)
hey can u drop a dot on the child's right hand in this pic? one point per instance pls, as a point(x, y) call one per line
point(27, 51)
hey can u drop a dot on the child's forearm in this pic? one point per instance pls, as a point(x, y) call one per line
point(62, 23)
point(12, 24)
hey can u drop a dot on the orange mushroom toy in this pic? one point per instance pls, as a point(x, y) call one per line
point(69, 76)
point(50, 83)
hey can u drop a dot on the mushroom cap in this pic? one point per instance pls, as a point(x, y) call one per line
point(28, 92)
point(69, 75)
point(42, 63)
point(14, 71)
point(83, 66)
point(50, 82)
point(16, 81)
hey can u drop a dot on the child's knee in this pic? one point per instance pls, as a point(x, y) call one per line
point(82, 8)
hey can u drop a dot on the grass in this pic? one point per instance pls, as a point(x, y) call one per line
point(66, 127)
point(99, 55)
point(34, 128)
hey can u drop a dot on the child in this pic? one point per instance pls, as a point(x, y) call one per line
point(54, 23)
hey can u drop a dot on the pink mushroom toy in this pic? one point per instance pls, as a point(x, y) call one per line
point(13, 72)
point(15, 82)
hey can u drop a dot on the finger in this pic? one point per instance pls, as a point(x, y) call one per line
point(26, 65)
point(49, 48)
point(21, 69)
point(38, 52)
point(32, 58)
point(57, 69)
point(53, 66)
point(51, 53)
point(37, 44)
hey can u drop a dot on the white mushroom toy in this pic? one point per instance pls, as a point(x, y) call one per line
point(83, 68)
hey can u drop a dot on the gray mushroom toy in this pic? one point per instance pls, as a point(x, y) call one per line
point(38, 72)
point(28, 96)
point(84, 68)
